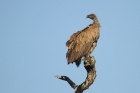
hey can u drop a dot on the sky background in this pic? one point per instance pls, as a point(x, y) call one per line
point(32, 45)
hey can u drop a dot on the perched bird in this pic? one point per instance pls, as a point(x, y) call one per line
point(82, 43)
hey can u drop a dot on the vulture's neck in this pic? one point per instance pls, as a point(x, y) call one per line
point(95, 21)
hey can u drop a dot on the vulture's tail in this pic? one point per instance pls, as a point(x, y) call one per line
point(78, 62)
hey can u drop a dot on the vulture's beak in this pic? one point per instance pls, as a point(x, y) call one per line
point(87, 16)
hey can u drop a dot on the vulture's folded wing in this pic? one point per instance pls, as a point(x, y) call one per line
point(80, 43)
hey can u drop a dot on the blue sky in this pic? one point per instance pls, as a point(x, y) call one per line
point(32, 45)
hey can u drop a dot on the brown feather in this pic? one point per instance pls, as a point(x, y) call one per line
point(82, 43)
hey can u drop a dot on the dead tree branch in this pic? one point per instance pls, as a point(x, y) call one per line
point(89, 65)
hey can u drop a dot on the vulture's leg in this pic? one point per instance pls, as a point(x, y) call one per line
point(91, 50)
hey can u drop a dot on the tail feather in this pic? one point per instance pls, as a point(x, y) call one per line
point(78, 62)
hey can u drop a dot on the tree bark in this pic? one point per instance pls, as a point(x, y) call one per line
point(89, 65)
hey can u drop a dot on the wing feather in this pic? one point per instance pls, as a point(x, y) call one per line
point(80, 43)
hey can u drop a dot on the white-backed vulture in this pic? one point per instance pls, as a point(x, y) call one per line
point(82, 43)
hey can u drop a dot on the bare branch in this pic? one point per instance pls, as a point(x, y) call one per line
point(72, 84)
point(89, 65)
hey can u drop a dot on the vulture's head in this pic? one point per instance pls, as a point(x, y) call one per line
point(91, 16)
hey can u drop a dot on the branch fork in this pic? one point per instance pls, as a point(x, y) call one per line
point(89, 65)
